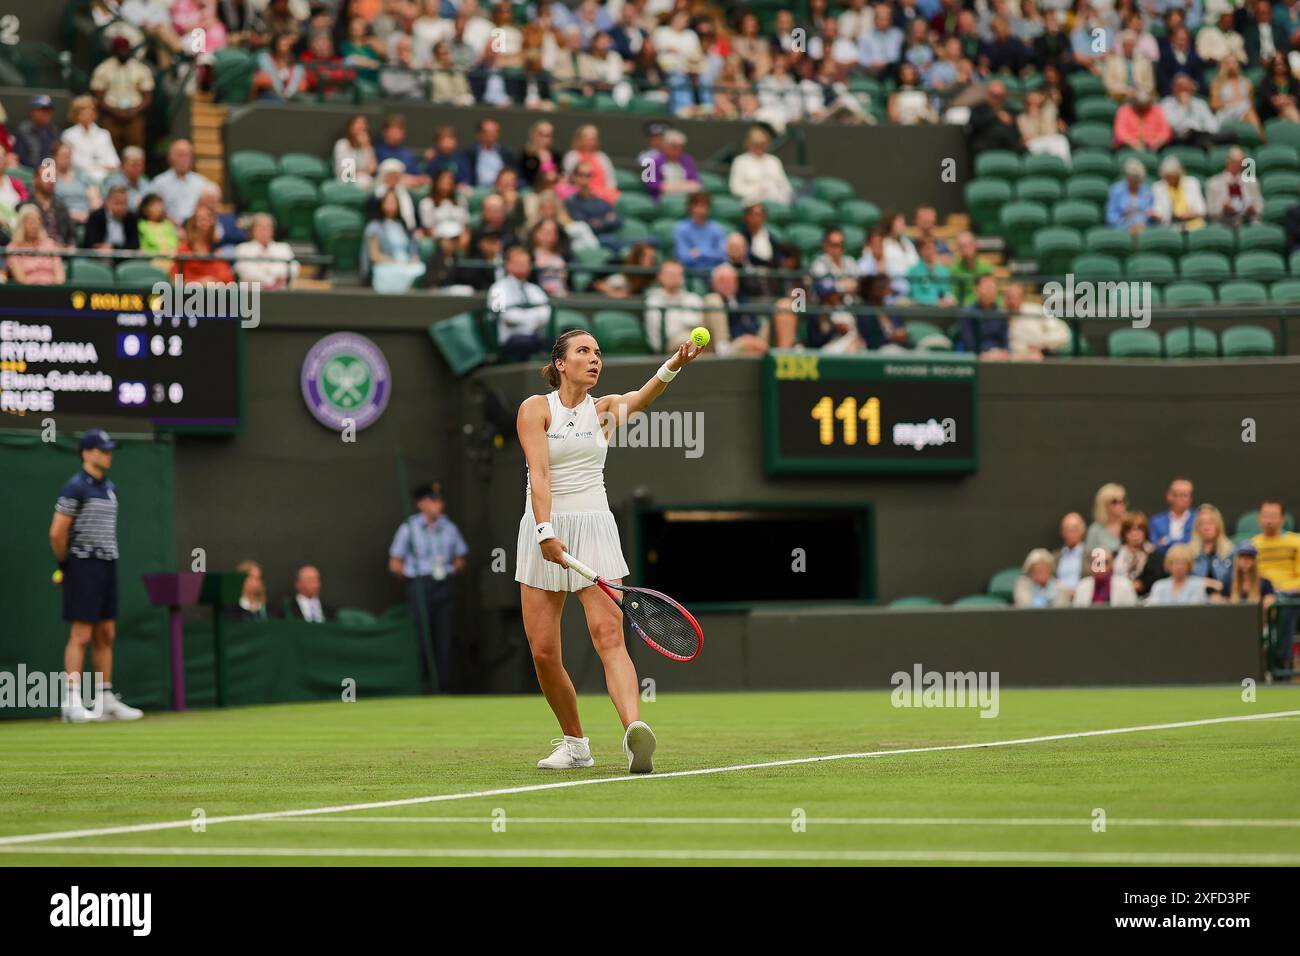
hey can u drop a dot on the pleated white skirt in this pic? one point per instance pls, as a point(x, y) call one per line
point(590, 536)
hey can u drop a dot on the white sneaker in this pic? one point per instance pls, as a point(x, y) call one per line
point(639, 745)
point(74, 711)
point(112, 708)
point(569, 754)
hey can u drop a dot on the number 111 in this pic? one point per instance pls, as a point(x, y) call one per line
point(848, 412)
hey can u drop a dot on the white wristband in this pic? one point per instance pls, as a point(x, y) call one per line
point(666, 374)
point(545, 532)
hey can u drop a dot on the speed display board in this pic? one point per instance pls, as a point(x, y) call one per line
point(117, 353)
point(868, 413)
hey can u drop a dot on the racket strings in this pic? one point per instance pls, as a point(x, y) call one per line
point(660, 622)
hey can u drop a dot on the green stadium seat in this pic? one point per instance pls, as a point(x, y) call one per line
point(619, 333)
point(1161, 239)
point(232, 75)
point(712, 183)
point(1003, 583)
point(832, 189)
point(815, 211)
point(915, 601)
point(1275, 209)
point(1055, 249)
point(1150, 267)
point(855, 237)
point(350, 195)
point(1080, 347)
point(1244, 341)
point(1085, 84)
point(1076, 214)
point(1205, 267)
point(730, 210)
point(1106, 241)
point(1043, 164)
point(1245, 134)
point(1092, 189)
point(140, 273)
point(304, 166)
point(1212, 238)
point(1019, 221)
point(251, 173)
point(1277, 131)
point(1243, 292)
point(1284, 183)
point(458, 340)
point(293, 201)
point(355, 617)
point(89, 272)
point(926, 336)
point(1199, 342)
point(1189, 293)
point(1042, 189)
point(1261, 237)
point(23, 175)
point(1265, 266)
point(805, 236)
point(1097, 268)
point(673, 205)
point(562, 320)
point(984, 201)
point(777, 214)
point(997, 164)
point(582, 278)
point(635, 230)
point(859, 212)
point(338, 231)
point(1096, 109)
point(1093, 162)
point(647, 106)
point(632, 205)
point(979, 600)
point(1133, 343)
point(1091, 135)
point(1276, 157)
point(1286, 291)
point(628, 180)
point(662, 230)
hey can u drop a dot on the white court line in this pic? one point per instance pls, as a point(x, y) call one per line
point(810, 821)
point(591, 781)
point(638, 853)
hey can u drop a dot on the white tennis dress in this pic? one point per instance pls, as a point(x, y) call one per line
point(579, 509)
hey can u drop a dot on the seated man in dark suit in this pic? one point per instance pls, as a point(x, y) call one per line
point(487, 157)
point(1178, 55)
point(306, 605)
point(113, 225)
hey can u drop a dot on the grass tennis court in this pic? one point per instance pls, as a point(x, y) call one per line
point(1218, 794)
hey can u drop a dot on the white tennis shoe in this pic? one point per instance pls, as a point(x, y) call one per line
point(639, 745)
point(570, 753)
point(74, 711)
point(113, 708)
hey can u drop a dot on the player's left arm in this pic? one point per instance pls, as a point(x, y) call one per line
point(620, 406)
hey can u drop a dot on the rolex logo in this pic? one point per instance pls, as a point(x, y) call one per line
point(78, 300)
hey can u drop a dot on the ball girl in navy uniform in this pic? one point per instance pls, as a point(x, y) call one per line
point(565, 437)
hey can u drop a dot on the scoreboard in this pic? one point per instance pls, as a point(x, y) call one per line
point(83, 352)
point(868, 413)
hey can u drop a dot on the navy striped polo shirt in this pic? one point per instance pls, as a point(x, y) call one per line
point(92, 504)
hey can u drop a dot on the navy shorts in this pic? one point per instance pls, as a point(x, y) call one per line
point(90, 590)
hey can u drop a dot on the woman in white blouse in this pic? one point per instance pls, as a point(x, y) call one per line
point(93, 155)
point(756, 175)
point(354, 156)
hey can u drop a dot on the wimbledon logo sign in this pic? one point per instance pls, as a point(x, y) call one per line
point(345, 379)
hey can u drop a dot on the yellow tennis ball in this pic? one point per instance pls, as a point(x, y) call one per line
point(700, 336)
point(57, 576)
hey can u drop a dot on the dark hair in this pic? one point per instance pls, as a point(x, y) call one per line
point(698, 197)
point(1272, 501)
point(558, 351)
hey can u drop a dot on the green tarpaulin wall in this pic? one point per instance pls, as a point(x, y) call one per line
point(32, 630)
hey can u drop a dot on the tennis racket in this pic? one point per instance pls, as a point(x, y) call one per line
point(656, 618)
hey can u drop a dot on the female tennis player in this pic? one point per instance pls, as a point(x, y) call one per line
point(565, 437)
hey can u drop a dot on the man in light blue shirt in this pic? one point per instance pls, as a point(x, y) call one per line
point(180, 187)
point(1070, 560)
point(427, 550)
point(700, 243)
point(881, 47)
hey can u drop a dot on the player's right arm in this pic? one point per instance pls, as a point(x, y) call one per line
point(59, 529)
point(531, 426)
